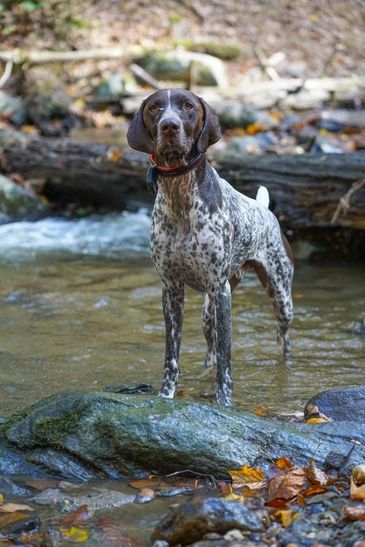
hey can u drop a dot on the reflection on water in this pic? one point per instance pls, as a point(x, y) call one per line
point(80, 309)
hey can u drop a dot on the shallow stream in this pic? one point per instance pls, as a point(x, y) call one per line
point(81, 309)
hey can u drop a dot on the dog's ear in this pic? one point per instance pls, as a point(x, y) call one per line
point(138, 136)
point(211, 132)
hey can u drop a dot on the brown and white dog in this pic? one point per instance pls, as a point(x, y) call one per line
point(204, 233)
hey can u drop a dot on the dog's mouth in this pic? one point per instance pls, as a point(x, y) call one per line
point(172, 154)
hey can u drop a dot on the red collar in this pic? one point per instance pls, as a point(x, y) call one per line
point(176, 169)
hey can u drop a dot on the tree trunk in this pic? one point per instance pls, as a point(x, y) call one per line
point(304, 189)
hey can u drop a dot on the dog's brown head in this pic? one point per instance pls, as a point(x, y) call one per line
point(175, 125)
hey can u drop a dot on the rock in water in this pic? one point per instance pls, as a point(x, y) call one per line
point(346, 404)
point(17, 204)
point(121, 435)
point(191, 521)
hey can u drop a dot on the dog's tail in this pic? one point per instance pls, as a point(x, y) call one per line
point(262, 196)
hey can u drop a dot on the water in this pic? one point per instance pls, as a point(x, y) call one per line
point(81, 309)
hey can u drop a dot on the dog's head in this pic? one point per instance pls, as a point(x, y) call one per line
point(175, 124)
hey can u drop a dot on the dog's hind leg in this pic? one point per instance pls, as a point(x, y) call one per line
point(173, 308)
point(276, 277)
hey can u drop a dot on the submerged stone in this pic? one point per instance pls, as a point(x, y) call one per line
point(191, 521)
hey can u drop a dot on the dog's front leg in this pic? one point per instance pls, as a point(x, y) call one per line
point(222, 298)
point(173, 308)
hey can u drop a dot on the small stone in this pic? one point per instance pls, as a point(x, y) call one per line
point(233, 535)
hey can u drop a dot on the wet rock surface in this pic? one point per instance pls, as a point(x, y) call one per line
point(346, 404)
point(18, 203)
point(114, 435)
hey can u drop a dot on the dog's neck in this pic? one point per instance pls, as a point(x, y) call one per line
point(180, 191)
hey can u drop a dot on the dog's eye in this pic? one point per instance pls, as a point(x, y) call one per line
point(188, 106)
point(153, 108)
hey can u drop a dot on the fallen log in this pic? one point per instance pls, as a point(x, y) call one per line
point(122, 435)
point(305, 189)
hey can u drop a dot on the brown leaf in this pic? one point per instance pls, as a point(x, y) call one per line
point(77, 517)
point(314, 489)
point(354, 513)
point(286, 487)
point(259, 411)
point(317, 476)
point(149, 482)
point(9, 518)
point(284, 464)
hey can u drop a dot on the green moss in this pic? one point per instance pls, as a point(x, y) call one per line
point(227, 52)
point(13, 419)
point(52, 430)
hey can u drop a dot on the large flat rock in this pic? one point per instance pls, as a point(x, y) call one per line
point(102, 434)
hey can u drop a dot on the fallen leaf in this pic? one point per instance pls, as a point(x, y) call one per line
point(285, 516)
point(284, 464)
point(149, 482)
point(9, 518)
point(254, 128)
point(356, 492)
point(285, 487)
point(354, 513)
point(259, 411)
point(317, 476)
point(1, 499)
point(246, 475)
point(114, 153)
point(76, 517)
point(74, 534)
point(12, 507)
point(358, 474)
point(314, 489)
point(318, 420)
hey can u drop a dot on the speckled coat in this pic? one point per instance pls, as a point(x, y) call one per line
point(205, 234)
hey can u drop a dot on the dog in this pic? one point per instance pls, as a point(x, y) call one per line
point(205, 234)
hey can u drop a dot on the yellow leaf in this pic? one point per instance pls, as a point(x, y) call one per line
point(231, 496)
point(75, 534)
point(114, 153)
point(356, 492)
point(247, 474)
point(284, 464)
point(12, 507)
point(285, 516)
point(259, 411)
point(316, 421)
point(254, 128)
point(1, 499)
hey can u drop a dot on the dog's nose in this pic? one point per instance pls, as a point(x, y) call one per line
point(170, 126)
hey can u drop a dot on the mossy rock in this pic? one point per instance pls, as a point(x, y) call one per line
point(123, 435)
point(180, 65)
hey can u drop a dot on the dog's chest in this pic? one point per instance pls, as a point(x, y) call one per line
point(190, 246)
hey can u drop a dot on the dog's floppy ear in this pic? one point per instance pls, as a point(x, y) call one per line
point(211, 132)
point(138, 136)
